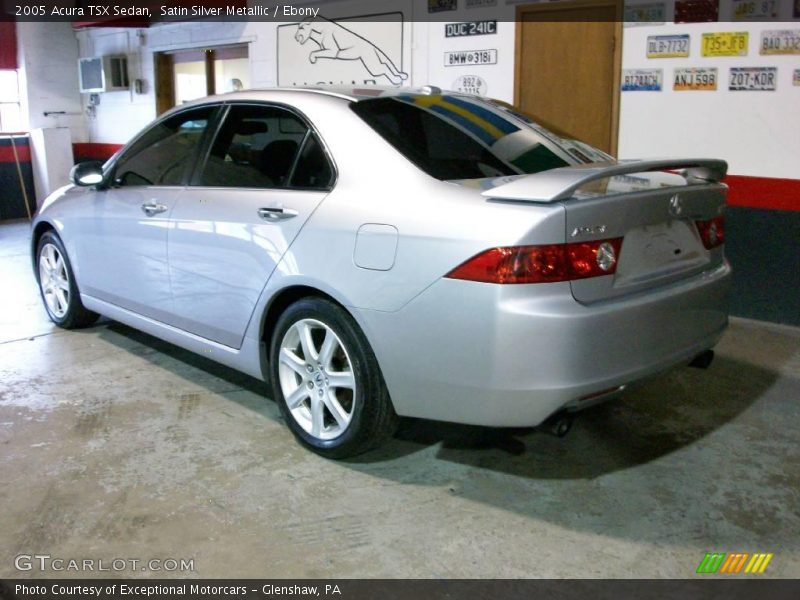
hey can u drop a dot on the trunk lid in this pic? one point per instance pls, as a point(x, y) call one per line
point(660, 241)
point(654, 212)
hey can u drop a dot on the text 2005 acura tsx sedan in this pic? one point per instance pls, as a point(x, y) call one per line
point(375, 253)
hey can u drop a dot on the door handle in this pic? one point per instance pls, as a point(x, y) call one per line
point(153, 208)
point(276, 214)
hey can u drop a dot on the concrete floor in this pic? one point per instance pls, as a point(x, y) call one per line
point(114, 444)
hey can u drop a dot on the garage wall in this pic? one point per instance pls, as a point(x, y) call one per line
point(757, 132)
point(48, 75)
point(121, 114)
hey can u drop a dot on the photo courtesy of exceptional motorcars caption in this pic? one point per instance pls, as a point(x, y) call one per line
point(399, 298)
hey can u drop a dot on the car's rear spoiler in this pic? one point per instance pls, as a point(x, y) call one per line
point(561, 183)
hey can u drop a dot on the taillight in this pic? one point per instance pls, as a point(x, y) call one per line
point(541, 264)
point(712, 232)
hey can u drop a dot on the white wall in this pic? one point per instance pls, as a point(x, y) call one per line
point(48, 73)
point(758, 133)
point(499, 78)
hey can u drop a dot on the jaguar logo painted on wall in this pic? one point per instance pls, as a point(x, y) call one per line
point(324, 51)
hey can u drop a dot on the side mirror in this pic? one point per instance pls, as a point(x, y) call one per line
point(87, 174)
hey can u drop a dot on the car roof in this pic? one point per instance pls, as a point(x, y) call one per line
point(350, 93)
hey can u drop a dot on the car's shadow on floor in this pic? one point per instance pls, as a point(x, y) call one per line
point(655, 419)
point(687, 458)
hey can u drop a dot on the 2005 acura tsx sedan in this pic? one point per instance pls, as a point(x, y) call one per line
point(376, 253)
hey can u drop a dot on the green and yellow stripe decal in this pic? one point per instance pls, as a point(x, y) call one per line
point(479, 121)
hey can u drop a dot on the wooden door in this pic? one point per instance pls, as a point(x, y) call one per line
point(568, 68)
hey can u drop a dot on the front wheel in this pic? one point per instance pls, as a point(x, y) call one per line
point(327, 382)
point(57, 285)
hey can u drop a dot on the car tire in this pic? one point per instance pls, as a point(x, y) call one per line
point(327, 382)
point(57, 285)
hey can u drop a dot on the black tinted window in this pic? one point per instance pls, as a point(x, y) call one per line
point(313, 171)
point(455, 137)
point(256, 148)
point(162, 155)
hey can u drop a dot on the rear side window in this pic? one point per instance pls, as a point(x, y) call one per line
point(313, 170)
point(456, 137)
point(265, 147)
point(164, 153)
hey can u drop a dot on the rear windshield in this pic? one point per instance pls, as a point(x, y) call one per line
point(462, 137)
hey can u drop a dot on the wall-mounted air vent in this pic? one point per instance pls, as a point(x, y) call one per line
point(103, 74)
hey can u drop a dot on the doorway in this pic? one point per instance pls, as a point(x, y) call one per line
point(185, 75)
point(568, 63)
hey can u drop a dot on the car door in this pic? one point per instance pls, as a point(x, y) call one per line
point(123, 246)
point(263, 175)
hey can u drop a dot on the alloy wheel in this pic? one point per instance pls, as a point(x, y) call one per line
point(54, 280)
point(317, 380)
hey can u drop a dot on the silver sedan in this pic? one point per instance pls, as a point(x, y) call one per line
point(380, 253)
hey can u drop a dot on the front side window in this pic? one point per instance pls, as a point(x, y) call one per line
point(265, 147)
point(164, 153)
point(454, 137)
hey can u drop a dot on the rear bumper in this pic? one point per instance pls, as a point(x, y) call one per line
point(512, 355)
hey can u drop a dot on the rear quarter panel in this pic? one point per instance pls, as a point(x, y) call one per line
point(439, 224)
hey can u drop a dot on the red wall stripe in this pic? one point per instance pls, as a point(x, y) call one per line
point(7, 152)
point(8, 45)
point(769, 193)
point(93, 151)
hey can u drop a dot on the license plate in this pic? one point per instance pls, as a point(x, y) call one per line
point(667, 46)
point(754, 10)
point(752, 79)
point(435, 6)
point(470, 57)
point(641, 80)
point(726, 43)
point(780, 41)
point(644, 14)
point(695, 79)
